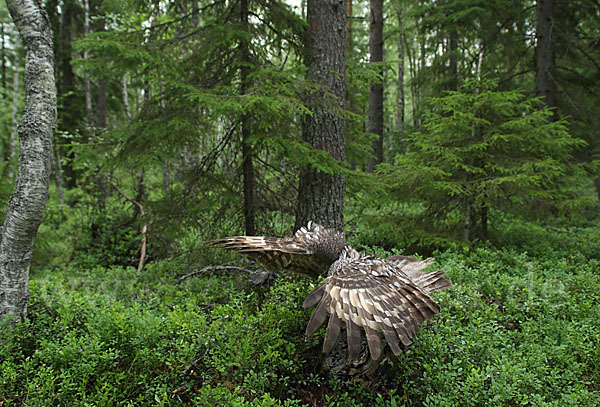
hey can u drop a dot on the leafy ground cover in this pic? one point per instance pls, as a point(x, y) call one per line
point(520, 327)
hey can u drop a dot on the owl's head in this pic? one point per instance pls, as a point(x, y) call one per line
point(328, 243)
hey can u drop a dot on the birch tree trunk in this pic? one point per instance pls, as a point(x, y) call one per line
point(13, 133)
point(3, 56)
point(26, 207)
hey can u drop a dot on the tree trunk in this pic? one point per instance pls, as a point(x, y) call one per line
point(140, 193)
point(125, 94)
point(413, 71)
point(189, 167)
point(545, 61)
point(69, 106)
point(400, 90)
point(166, 179)
point(468, 223)
point(101, 180)
point(86, 80)
point(376, 86)
point(3, 61)
point(13, 133)
point(247, 158)
point(101, 108)
point(57, 171)
point(453, 62)
point(350, 91)
point(349, 37)
point(26, 207)
point(101, 184)
point(484, 222)
point(321, 195)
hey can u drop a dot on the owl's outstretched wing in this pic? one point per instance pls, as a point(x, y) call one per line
point(370, 294)
point(413, 268)
point(304, 253)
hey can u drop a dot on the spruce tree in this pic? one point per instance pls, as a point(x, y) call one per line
point(321, 194)
point(480, 148)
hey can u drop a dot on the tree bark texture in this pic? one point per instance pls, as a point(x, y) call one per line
point(453, 62)
point(27, 204)
point(70, 106)
point(350, 91)
point(400, 111)
point(376, 87)
point(13, 133)
point(321, 195)
point(247, 158)
point(101, 108)
point(349, 34)
point(86, 80)
point(3, 60)
point(545, 60)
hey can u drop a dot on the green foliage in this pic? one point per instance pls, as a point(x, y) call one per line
point(78, 231)
point(516, 328)
point(480, 148)
point(112, 336)
point(188, 60)
point(520, 326)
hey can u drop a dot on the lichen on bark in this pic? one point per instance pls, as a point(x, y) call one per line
point(36, 129)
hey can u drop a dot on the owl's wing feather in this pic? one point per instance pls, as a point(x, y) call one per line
point(296, 253)
point(315, 296)
point(319, 315)
point(370, 327)
point(334, 327)
point(413, 268)
point(277, 254)
point(353, 337)
point(368, 294)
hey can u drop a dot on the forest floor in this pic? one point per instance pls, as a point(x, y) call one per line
point(521, 326)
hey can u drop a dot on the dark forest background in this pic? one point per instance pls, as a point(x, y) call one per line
point(472, 133)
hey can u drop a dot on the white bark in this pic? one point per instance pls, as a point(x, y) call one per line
point(125, 96)
point(26, 207)
point(13, 133)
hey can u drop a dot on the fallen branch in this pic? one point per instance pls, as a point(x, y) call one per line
point(144, 227)
point(566, 231)
point(213, 268)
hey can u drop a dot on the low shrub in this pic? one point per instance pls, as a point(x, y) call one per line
point(517, 328)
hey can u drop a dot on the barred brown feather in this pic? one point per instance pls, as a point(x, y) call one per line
point(377, 296)
point(310, 251)
point(384, 298)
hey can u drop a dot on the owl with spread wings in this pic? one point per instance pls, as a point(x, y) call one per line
point(384, 298)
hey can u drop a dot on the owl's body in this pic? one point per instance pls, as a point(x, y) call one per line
point(388, 298)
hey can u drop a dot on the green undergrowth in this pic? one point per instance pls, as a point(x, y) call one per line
point(521, 326)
